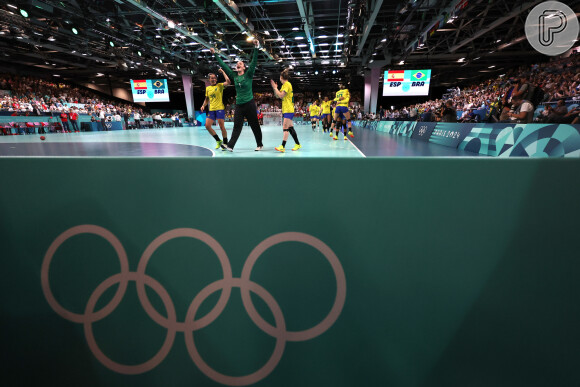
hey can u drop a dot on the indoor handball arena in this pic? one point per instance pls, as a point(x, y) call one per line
point(341, 193)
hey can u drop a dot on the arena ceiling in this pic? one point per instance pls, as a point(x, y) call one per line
point(323, 40)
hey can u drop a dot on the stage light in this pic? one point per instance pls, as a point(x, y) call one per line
point(299, 38)
point(160, 60)
point(51, 39)
point(295, 29)
point(323, 36)
point(75, 31)
point(139, 53)
point(316, 72)
point(250, 38)
point(179, 68)
point(23, 13)
point(334, 71)
point(111, 43)
point(170, 24)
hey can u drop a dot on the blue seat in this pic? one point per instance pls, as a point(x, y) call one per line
point(482, 113)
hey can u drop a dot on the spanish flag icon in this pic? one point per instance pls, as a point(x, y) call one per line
point(396, 76)
point(140, 84)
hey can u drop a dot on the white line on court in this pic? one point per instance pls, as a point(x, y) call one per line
point(362, 154)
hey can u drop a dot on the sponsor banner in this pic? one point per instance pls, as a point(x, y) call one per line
point(450, 134)
point(524, 140)
point(423, 130)
point(403, 128)
point(385, 126)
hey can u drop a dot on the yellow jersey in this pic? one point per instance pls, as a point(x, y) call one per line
point(325, 107)
point(215, 95)
point(288, 100)
point(314, 110)
point(342, 93)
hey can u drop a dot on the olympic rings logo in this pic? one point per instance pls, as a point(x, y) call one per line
point(190, 325)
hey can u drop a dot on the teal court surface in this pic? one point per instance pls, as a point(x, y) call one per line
point(188, 141)
point(195, 141)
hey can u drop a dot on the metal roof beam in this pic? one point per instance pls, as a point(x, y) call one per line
point(142, 6)
point(369, 25)
point(515, 12)
point(307, 27)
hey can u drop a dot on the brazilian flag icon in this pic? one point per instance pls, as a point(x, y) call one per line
point(418, 75)
point(158, 84)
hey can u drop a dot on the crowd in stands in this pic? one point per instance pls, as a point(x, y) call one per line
point(505, 98)
point(22, 95)
point(511, 97)
point(36, 95)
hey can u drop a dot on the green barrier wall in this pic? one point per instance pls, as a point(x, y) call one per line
point(383, 272)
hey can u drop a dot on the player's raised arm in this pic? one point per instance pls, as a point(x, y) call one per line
point(225, 67)
point(227, 79)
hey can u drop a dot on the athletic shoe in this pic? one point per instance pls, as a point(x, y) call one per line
point(331, 135)
point(229, 149)
point(281, 148)
point(350, 133)
point(259, 148)
point(336, 137)
point(345, 138)
point(296, 147)
point(218, 144)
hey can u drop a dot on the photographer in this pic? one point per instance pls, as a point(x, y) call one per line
point(448, 113)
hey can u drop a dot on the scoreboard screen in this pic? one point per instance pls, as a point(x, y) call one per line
point(400, 83)
point(150, 90)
